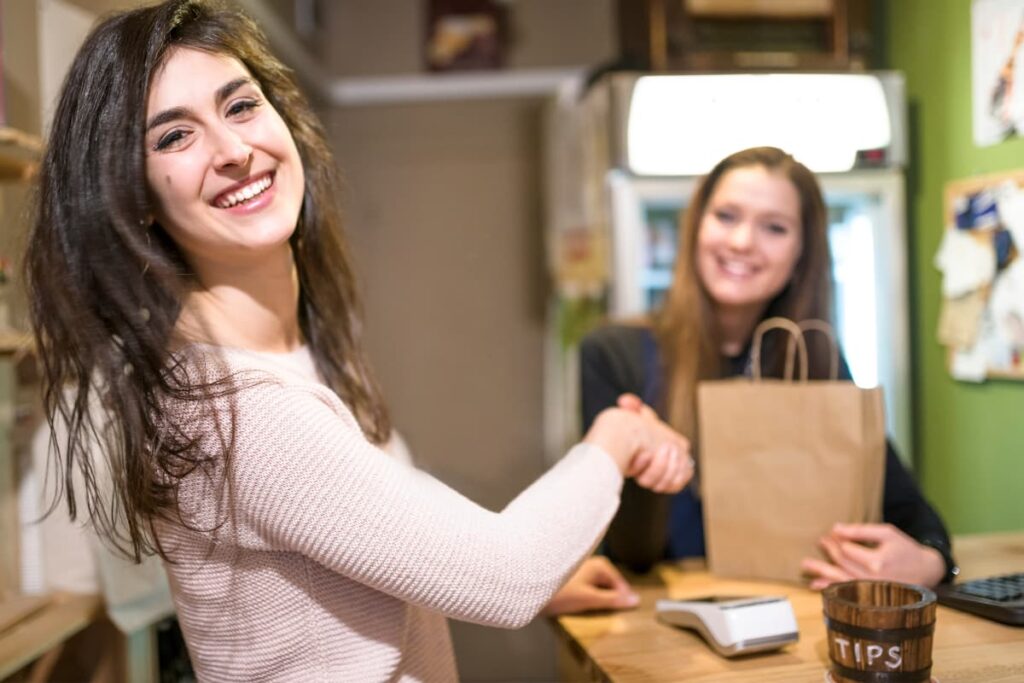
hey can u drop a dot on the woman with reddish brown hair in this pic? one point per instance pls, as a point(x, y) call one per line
point(753, 244)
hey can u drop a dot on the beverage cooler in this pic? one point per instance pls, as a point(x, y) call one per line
point(626, 153)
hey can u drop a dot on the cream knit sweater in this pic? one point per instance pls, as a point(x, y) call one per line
point(324, 559)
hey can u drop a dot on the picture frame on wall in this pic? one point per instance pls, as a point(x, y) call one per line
point(466, 35)
point(997, 70)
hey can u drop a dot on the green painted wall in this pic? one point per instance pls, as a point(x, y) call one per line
point(970, 438)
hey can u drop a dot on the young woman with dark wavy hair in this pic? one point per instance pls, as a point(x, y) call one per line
point(197, 321)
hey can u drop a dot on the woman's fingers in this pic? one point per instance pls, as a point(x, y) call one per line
point(605, 575)
point(679, 477)
point(868, 560)
point(596, 585)
point(865, 533)
point(660, 463)
point(640, 462)
point(630, 402)
point(822, 573)
point(672, 469)
point(668, 471)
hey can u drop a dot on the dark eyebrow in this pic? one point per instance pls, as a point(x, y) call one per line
point(227, 89)
point(223, 92)
point(165, 116)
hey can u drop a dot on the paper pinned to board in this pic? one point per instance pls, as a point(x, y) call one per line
point(982, 262)
point(989, 352)
point(1010, 204)
point(1007, 304)
point(969, 365)
point(960, 319)
point(966, 263)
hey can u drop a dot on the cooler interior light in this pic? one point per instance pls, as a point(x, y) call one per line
point(683, 125)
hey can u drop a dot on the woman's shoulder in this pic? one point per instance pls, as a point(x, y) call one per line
point(259, 382)
point(619, 355)
point(618, 339)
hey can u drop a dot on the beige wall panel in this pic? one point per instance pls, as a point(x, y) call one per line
point(372, 37)
point(551, 33)
point(443, 212)
point(444, 216)
point(443, 205)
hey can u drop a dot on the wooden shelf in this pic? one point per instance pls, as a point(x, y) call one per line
point(783, 10)
point(19, 154)
point(21, 607)
point(44, 628)
point(15, 341)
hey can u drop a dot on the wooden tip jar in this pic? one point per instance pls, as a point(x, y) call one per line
point(879, 631)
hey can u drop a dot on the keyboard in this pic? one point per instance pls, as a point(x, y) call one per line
point(1000, 598)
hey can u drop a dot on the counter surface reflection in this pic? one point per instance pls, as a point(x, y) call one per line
point(634, 647)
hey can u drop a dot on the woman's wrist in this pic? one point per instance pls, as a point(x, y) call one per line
point(613, 433)
point(934, 565)
point(949, 568)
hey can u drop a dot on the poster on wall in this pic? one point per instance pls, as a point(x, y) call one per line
point(997, 66)
point(465, 34)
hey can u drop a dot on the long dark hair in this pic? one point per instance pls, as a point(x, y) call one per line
point(686, 327)
point(106, 285)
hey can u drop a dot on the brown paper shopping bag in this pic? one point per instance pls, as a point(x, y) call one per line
point(781, 461)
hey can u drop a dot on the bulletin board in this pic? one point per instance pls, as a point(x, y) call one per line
point(981, 257)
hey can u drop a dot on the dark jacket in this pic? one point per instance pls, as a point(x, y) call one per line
point(650, 527)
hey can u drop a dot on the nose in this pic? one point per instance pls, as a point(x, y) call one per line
point(741, 236)
point(229, 149)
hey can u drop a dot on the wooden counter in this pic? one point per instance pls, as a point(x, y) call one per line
point(634, 646)
point(36, 629)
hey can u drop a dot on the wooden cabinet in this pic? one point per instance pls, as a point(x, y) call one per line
point(18, 157)
point(731, 35)
point(64, 637)
point(57, 636)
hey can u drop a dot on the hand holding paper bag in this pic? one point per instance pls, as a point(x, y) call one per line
point(782, 461)
point(874, 552)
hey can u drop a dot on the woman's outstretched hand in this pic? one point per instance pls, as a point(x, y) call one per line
point(643, 446)
point(874, 551)
point(596, 585)
point(647, 475)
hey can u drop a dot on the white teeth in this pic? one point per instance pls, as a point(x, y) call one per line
point(737, 268)
point(246, 193)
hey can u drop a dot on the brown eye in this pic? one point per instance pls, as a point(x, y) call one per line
point(242, 106)
point(170, 139)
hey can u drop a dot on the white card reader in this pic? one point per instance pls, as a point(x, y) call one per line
point(734, 625)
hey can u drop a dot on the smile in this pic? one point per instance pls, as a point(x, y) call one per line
point(736, 268)
point(245, 193)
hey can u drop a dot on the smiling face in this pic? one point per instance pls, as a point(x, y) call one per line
point(221, 164)
point(749, 240)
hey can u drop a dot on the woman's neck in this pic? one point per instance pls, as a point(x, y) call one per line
point(736, 327)
point(245, 307)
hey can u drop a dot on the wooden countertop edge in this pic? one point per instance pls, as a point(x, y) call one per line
point(16, 341)
point(63, 617)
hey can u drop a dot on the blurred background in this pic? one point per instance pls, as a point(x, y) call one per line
point(476, 141)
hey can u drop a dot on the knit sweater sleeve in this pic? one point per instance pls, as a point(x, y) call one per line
point(304, 479)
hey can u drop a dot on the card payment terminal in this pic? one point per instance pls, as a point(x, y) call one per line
point(734, 625)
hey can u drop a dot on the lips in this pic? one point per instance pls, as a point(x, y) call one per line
point(245, 191)
point(736, 268)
